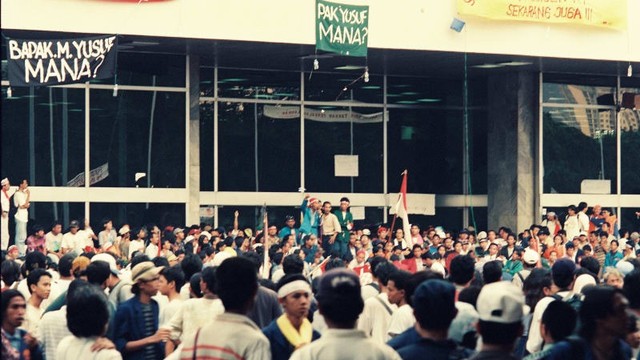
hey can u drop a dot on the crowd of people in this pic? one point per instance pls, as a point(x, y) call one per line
point(321, 287)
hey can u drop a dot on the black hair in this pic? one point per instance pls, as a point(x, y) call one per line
point(499, 334)
point(194, 283)
point(292, 265)
point(208, 276)
point(334, 263)
point(55, 222)
point(290, 278)
point(375, 261)
point(431, 312)
point(191, 264)
point(138, 259)
point(10, 272)
point(415, 280)
point(255, 258)
point(492, 272)
point(614, 241)
point(236, 283)
point(7, 296)
point(582, 205)
point(277, 258)
point(344, 198)
point(461, 270)
point(87, 296)
point(559, 319)
point(631, 288)
point(344, 305)
point(470, 295)
point(590, 263)
point(597, 304)
point(175, 274)
point(65, 264)
point(34, 277)
point(98, 272)
point(160, 261)
point(534, 285)
point(400, 279)
point(34, 260)
point(383, 271)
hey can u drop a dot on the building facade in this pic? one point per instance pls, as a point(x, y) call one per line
point(219, 106)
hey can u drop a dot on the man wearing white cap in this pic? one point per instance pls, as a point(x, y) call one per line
point(501, 308)
point(530, 259)
point(291, 330)
point(6, 205)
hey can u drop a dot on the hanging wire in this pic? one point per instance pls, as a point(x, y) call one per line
point(465, 117)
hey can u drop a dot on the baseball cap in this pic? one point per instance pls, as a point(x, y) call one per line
point(109, 260)
point(4, 181)
point(530, 257)
point(289, 217)
point(482, 235)
point(125, 229)
point(145, 271)
point(501, 302)
point(74, 223)
point(544, 231)
point(366, 232)
point(177, 230)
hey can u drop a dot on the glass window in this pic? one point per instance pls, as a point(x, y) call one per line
point(629, 117)
point(427, 91)
point(274, 131)
point(146, 69)
point(206, 81)
point(139, 132)
point(206, 145)
point(347, 86)
point(331, 131)
point(583, 90)
point(579, 144)
point(254, 84)
point(45, 213)
point(428, 143)
point(137, 214)
point(56, 117)
point(630, 218)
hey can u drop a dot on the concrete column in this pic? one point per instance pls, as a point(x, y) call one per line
point(512, 150)
point(192, 210)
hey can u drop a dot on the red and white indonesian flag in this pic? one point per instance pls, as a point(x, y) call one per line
point(401, 208)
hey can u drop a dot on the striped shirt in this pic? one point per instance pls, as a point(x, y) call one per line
point(149, 329)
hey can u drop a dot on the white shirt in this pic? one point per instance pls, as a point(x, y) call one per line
point(6, 204)
point(436, 266)
point(375, 318)
point(534, 343)
point(53, 328)
point(572, 226)
point(75, 242)
point(53, 242)
point(584, 221)
point(151, 251)
point(401, 320)
point(342, 344)
point(32, 318)
point(73, 347)
point(193, 314)
point(135, 245)
point(19, 199)
point(168, 310)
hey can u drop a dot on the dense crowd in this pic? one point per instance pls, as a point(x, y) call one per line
point(322, 288)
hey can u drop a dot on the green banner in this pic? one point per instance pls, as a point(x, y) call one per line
point(342, 29)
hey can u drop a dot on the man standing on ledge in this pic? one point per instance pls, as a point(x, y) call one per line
point(21, 201)
point(330, 230)
point(6, 206)
point(345, 218)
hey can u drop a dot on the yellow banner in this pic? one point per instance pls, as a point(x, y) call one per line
point(603, 13)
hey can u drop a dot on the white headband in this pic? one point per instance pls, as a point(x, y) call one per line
point(297, 285)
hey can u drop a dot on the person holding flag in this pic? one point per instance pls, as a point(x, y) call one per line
point(401, 210)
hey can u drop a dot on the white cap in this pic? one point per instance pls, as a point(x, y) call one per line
point(366, 232)
point(108, 259)
point(582, 281)
point(530, 257)
point(4, 181)
point(501, 302)
point(482, 235)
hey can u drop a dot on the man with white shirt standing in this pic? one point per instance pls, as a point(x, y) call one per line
point(21, 201)
point(6, 206)
point(378, 311)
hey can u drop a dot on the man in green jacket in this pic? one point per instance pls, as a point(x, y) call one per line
point(346, 223)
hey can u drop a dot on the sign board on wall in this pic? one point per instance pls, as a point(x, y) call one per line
point(342, 29)
point(53, 62)
point(604, 13)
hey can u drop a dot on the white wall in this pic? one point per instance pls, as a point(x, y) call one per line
point(403, 24)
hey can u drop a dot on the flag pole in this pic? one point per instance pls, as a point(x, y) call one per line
point(395, 214)
point(265, 245)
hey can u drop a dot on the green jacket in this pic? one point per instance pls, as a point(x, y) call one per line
point(348, 218)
